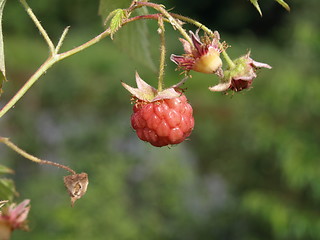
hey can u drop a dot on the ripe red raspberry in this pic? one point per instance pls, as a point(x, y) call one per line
point(160, 117)
point(163, 122)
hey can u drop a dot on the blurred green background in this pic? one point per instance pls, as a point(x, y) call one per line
point(250, 169)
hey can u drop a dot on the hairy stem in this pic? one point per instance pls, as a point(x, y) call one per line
point(85, 45)
point(192, 21)
point(39, 26)
point(63, 36)
point(175, 24)
point(46, 65)
point(56, 57)
point(162, 54)
point(228, 59)
point(32, 158)
point(206, 30)
point(148, 16)
point(43, 68)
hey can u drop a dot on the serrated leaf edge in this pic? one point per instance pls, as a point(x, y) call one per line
point(111, 15)
point(115, 24)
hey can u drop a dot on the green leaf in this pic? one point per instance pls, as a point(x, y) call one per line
point(256, 5)
point(108, 6)
point(283, 4)
point(111, 15)
point(116, 21)
point(5, 170)
point(133, 37)
point(2, 65)
point(7, 189)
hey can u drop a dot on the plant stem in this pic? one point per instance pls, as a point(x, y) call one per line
point(39, 26)
point(85, 45)
point(192, 21)
point(208, 31)
point(46, 65)
point(171, 19)
point(148, 16)
point(32, 158)
point(228, 59)
point(55, 57)
point(63, 36)
point(43, 68)
point(162, 54)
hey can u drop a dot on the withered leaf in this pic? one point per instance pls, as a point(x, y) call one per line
point(76, 185)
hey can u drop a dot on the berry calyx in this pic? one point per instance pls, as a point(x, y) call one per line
point(160, 118)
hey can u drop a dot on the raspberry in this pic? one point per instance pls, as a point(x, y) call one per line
point(202, 55)
point(240, 76)
point(160, 117)
point(163, 122)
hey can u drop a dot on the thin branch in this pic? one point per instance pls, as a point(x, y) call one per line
point(162, 53)
point(42, 69)
point(32, 158)
point(194, 22)
point(45, 66)
point(155, 16)
point(63, 36)
point(39, 26)
point(228, 59)
point(85, 45)
point(175, 24)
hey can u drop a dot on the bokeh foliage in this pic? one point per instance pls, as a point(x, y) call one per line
point(249, 171)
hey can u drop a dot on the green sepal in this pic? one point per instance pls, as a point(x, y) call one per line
point(283, 4)
point(256, 5)
point(5, 170)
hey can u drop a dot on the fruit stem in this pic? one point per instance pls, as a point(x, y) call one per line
point(192, 21)
point(32, 158)
point(162, 53)
point(228, 59)
point(175, 24)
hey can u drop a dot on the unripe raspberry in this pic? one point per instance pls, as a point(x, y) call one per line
point(202, 55)
point(160, 118)
point(163, 122)
point(240, 76)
